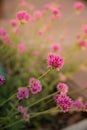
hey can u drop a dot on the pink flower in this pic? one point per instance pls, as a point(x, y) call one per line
point(23, 16)
point(20, 108)
point(24, 111)
point(85, 29)
point(21, 47)
point(23, 92)
point(55, 61)
point(78, 5)
point(13, 22)
point(23, 3)
point(78, 104)
point(6, 38)
point(55, 47)
point(64, 101)
point(78, 36)
point(37, 14)
point(26, 116)
point(35, 85)
point(40, 32)
point(62, 87)
point(2, 32)
point(1, 79)
point(83, 44)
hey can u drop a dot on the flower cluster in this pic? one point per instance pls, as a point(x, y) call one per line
point(23, 92)
point(24, 111)
point(62, 87)
point(35, 85)
point(55, 61)
point(23, 16)
point(64, 101)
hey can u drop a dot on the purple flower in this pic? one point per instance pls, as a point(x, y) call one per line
point(23, 92)
point(55, 61)
point(1, 79)
point(78, 104)
point(63, 101)
point(35, 85)
point(63, 88)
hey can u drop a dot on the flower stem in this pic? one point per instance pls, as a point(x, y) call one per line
point(8, 99)
point(45, 73)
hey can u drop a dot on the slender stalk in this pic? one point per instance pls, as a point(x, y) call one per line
point(45, 73)
point(8, 99)
point(43, 99)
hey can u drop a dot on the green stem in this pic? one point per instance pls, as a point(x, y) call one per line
point(45, 73)
point(8, 99)
point(37, 114)
point(43, 99)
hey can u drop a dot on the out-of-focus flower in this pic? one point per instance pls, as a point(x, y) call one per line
point(23, 92)
point(55, 61)
point(62, 87)
point(79, 6)
point(85, 29)
point(78, 36)
point(14, 22)
point(24, 111)
point(1, 79)
point(55, 47)
point(78, 104)
point(23, 16)
point(37, 14)
point(40, 32)
point(2, 32)
point(21, 47)
point(82, 44)
point(35, 85)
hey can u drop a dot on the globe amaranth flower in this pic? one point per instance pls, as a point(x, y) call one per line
point(55, 61)
point(23, 92)
point(64, 101)
point(14, 22)
point(55, 47)
point(79, 6)
point(82, 43)
point(23, 16)
point(85, 29)
point(21, 47)
point(35, 85)
point(24, 111)
point(78, 104)
point(62, 87)
point(2, 78)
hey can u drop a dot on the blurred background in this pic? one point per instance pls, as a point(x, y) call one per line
point(19, 67)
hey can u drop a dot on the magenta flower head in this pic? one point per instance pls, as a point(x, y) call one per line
point(55, 61)
point(23, 92)
point(2, 32)
point(62, 87)
point(13, 22)
point(85, 29)
point(23, 16)
point(78, 104)
point(64, 101)
point(79, 6)
point(1, 79)
point(55, 47)
point(35, 85)
point(21, 47)
point(83, 44)
point(37, 14)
